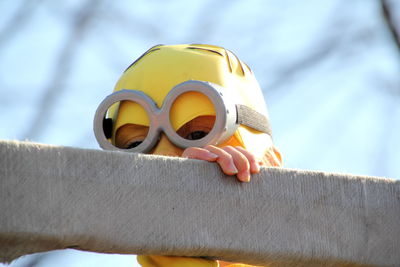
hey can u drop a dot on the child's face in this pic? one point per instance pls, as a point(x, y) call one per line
point(130, 135)
point(233, 160)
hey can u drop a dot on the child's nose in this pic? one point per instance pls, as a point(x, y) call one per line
point(166, 148)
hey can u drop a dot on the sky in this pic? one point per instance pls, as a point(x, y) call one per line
point(329, 71)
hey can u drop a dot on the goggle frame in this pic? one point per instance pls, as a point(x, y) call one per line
point(224, 127)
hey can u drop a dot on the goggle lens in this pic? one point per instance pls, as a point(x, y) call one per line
point(133, 124)
point(192, 122)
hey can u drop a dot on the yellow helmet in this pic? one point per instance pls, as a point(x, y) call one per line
point(162, 67)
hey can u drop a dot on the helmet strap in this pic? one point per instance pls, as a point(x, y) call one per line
point(253, 119)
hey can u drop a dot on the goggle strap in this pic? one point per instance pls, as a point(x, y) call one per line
point(253, 119)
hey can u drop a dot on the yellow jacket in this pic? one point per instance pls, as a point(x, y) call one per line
point(169, 261)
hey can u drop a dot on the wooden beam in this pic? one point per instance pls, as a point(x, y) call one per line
point(63, 197)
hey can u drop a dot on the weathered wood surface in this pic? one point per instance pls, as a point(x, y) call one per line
point(58, 197)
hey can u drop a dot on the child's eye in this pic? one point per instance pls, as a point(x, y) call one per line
point(130, 136)
point(197, 128)
point(196, 135)
point(133, 144)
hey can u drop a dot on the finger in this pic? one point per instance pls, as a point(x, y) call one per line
point(199, 153)
point(241, 162)
point(225, 160)
point(254, 164)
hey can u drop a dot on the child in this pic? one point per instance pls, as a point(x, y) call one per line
point(193, 101)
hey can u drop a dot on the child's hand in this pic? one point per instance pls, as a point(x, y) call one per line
point(232, 160)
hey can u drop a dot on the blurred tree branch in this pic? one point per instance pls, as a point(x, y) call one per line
point(201, 28)
point(63, 64)
point(317, 54)
point(390, 22)
point(326, 47)
point(133, 23)
point(320, 50)
point(20, 18)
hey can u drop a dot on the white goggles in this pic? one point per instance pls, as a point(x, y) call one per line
point(228, 117)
